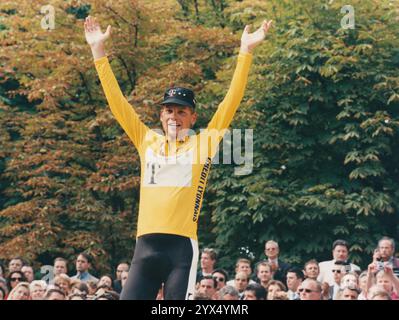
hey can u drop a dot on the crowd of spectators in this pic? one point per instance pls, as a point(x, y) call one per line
point(272, 279)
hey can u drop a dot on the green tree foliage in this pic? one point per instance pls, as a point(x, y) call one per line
point(323, 102)
point(69, 176)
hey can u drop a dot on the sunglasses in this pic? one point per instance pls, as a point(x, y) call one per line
point(220, 279)
point(15, 279)
point(306, 290)
point(337, 271)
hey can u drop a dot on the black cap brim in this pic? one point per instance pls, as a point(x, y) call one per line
point(174, 100)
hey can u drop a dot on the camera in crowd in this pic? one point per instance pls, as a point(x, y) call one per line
point(380, 265)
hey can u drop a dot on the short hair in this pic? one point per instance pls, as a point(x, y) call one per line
point(54, 290)
point(317, 283)
point(276, 283)
point(351, 273)
point(63, 276)
point(18, 258)
point(340, 242)
point(381, 273)
point(272, 242)
point(27, 266)
point(222, 271)
point(60, 259)
point(38, 283)
point(211, 252)
point(228, 290)
point(259, 290)
point(108, 276)
point(381, 293)
point(123, 262)
point(298, 272)
point(215, 283)
point(244, 274)
point(264, 264)
point(86, 256)
point(391, 240)
point(242, 260)
point(352, 288)
point(311, 261)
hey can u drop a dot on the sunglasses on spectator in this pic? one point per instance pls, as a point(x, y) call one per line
point(337, 271)
point(221, 279)
point(306, 290)
point(15, 279)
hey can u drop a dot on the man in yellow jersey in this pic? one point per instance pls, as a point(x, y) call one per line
point(174, 171)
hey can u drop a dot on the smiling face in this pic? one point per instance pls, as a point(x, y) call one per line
point(177, 120)
point(22, 293)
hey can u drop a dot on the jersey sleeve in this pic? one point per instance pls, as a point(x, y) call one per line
point(120, 107)
point(228, 107)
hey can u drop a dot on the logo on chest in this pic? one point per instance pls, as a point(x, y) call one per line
point(172, 171)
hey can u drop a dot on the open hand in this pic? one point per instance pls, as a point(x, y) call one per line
point(94, 35)
point(251, 40)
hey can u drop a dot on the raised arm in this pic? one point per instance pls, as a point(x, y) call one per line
point(95, 38)
point(249, 41)
point(227, 108)
point(120, 107)
point(371, 270)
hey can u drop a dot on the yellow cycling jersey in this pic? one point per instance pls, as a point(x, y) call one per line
point(173, 174)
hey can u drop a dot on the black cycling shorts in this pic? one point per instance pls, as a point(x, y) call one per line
point(162, 258)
